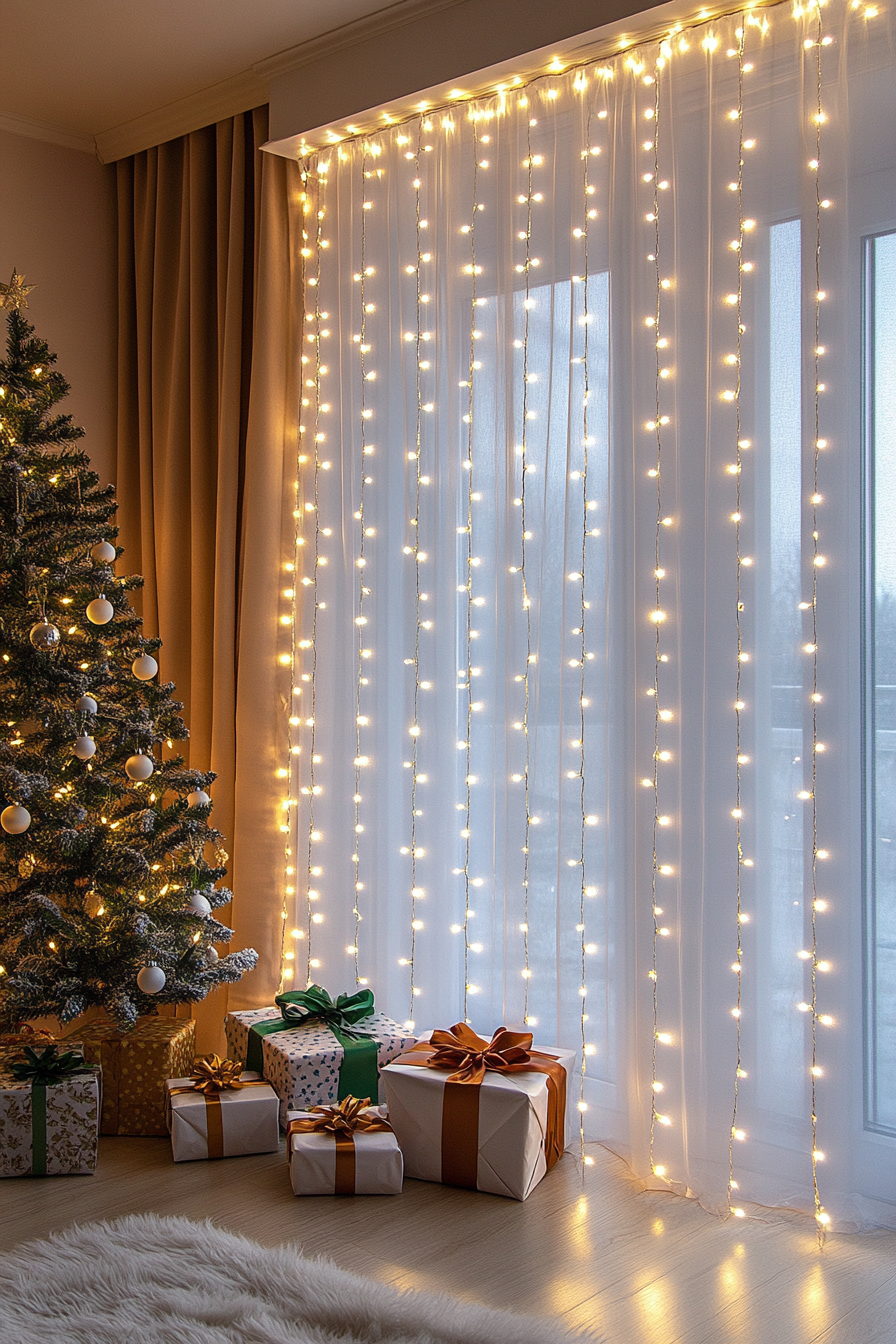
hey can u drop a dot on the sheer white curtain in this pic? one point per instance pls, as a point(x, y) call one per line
point(576, 726)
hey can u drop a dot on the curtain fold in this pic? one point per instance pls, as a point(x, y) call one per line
point(206, 422)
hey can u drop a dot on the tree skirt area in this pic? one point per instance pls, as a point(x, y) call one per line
point(174, 1281)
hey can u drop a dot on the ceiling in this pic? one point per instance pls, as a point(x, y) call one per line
point(86, 67)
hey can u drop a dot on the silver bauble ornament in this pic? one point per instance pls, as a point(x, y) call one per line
point(100, 611)
point(198, 798)
point(15, 819)
point(144, 667)
point(138, 767)
point(84, 747)
point(102, 553)
point(44, 635)
point(211, 954)
point(200, 904)
point(151, 980)
point(86, 704)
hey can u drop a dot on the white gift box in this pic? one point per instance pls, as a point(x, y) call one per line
point(378, 1164)
point(302, 1063)
point(237, 1121)
point(507, 1149)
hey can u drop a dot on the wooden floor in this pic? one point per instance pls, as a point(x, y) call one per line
point(590, 1249)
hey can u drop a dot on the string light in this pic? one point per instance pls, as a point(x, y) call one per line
point(654, 327)
point(361, 718)
point(473, 271)
point(528, 304)
point(821, 1216)
point(740, 443)
point(414, 542)
point(313, 868)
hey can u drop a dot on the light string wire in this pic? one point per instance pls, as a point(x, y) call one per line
point(415, 540)
point(737, 812)
point(361, 720)
point(524, 588)
point(468, 585)
point(311, 789)
point(290, 770)
point(657, 615)
point(583, 644)
point(821, 1216)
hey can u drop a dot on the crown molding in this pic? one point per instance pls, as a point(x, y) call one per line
point(40, 130)
point(384, 20)
point(228, 98)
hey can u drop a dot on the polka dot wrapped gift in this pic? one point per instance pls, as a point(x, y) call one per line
point(308, 1046)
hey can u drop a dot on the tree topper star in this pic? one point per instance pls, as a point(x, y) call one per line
point(14, 295)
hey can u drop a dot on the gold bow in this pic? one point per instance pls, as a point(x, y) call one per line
point(213, 1074)
point(470, 1056)
point(346, 1118)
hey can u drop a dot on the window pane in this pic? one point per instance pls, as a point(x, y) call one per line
point(880, 709)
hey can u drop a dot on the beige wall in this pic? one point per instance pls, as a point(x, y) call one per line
point(57, 227)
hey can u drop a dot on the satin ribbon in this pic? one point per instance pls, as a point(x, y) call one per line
point(211, 1076)
point(358, 1073)
point(470, 1057)
point(343, 1122)
point(43, 1069)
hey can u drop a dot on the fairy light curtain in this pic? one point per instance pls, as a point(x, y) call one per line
point(572, 601)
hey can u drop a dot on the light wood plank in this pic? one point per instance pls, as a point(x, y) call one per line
point(589, 1246)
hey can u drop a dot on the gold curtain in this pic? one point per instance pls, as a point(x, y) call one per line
point(206, 454)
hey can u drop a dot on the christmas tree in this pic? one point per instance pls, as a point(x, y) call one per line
point(108, 863)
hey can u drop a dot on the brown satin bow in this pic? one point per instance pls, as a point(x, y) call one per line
point(470, 1056)
point(346, 1118)
point(213, 1074)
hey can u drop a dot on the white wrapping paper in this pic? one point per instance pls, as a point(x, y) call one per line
point(73, 1118)
point(249, 1116)
point(302, 1063)
point(379, 1167)
point(513, 1109)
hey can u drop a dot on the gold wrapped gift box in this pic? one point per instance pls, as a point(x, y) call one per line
point(136, 1067)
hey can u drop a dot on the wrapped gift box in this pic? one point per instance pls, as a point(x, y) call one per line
point(136, 1066)
point(228, 1123)
point(49, 1130)
point(303, 1062)
point(500, 1135)
point(365, 1162)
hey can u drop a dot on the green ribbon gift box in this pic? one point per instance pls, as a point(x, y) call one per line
point(358, 1075)
point(334, 1048)
point(49, 1114)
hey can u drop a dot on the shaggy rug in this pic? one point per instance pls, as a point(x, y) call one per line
point(150, 1280)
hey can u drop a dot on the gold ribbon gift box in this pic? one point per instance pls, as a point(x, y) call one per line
point(345, 1149)
point(484, 1115)
point(221, 1111)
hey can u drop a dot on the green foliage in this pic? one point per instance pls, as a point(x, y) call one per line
point(99, 884)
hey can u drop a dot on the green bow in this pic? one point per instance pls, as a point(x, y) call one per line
point(47, 1066)
point(43, 1068)
point(358, 1075)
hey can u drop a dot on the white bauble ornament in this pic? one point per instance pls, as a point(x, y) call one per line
point(138, 767)
point(84, 747)
point(100, 611)
point(151, 980)
point(144, 667)
point(102, 553)
point(200, 904)
point(44, 635)
point(198, 798)
point(15, 819)
point(211, 955)
point(86, 704)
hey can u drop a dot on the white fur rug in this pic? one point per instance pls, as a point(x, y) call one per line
point(150, 1280)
